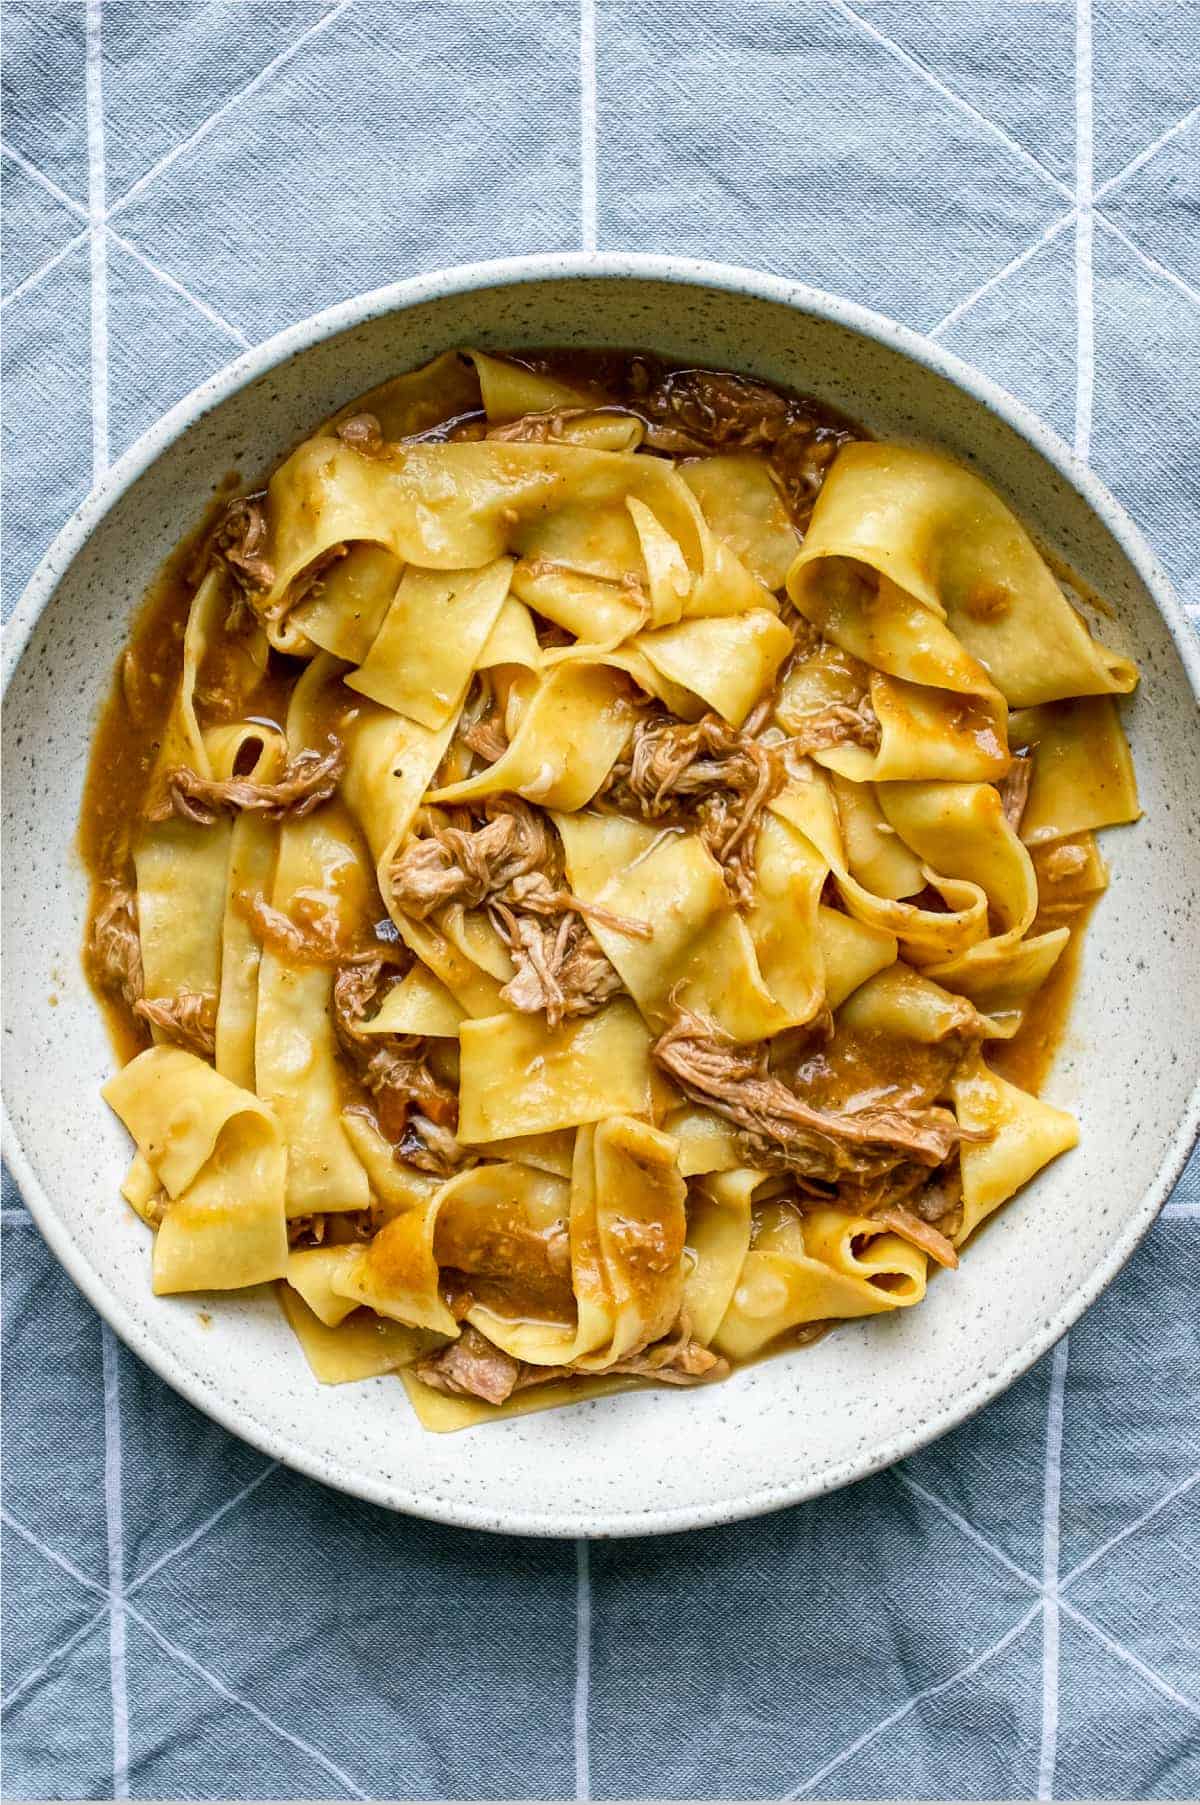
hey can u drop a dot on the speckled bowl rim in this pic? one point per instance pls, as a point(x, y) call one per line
point(512, 271)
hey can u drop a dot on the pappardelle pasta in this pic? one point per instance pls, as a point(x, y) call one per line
point(587, 866)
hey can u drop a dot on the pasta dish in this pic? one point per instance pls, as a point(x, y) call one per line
point(588, 865)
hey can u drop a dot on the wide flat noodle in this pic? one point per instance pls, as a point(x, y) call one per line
point(1083, 775)
point(627, 1226)
point(430, 642)
point(297, 1068)
point(511, 390)
point(181, 867)
point(1023, 1135)
point(418, 1004)
point(570, 737)
point(909, 530)
point(875, 854)
point(597, 611)
point(923, 934)
point(728, 661)
point(742, 503)
point(217, 1152)
point(344, 610)
point(784, 1286)
point(902, 1004)
point(417, 399)
point(459, 506)
point(789, 876)
point(926, 733)
point(587, 1068)
point(312, 1271)
point(361, 1347)
point(718, 1239)
point(475, 991)
point(698, 950)
point(707, 1142)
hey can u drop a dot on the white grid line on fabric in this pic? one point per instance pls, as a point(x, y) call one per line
point(172, 282)
point(583, 1668)
point(177, 1654)
point(1122, 1653)
point(183, 1659)
point(1131, 1529)
point(919, 1698)
point(164, 276)
point(965, 1528)
point(209, 1523)
point(1183, 1212)
point(148, 1573)
point(251, 87)
point(588, 203)
point(1144, 156)
point(114, 1515)
point(97, 241)
point(31, 281)
point(916, 67)
point(1151, 263)
point(17, 1692)
point(1051, 1535)
point(1085, 305)
point(44, 181)
point(963, 307)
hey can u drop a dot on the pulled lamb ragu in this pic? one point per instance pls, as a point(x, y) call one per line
point(306, 781)
point(474, 1367)
point(115, 959)
point(418, 1112)
point(512, 866)
point(779, 1131)
point(706, 775)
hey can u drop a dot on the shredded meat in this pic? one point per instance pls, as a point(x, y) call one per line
point(417, 1111)
point(316, 939)
point(307, 780)
point(240, 543)
point(694, 412)
point(782, 1132)
point(189, 1019)
point(512, 865)
point(1064, 862)
point(708, 775)
point(474, 1367)
point(463, 866)
point(913, 1228)
point(837, 725)
point(561, 967)
point(538, 428)
point(682, 1361)
point(940, 1197)
point(362, 432)
point(1014, 790)
point(116, 947)
point(487, 738)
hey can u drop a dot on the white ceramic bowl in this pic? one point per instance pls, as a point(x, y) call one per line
point(793, 1426)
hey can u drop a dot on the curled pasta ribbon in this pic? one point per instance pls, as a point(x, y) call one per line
point(916, 566)
point(217, 1152)
point(813, 1268)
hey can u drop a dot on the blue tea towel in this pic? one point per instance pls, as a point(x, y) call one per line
point(1013, 1612)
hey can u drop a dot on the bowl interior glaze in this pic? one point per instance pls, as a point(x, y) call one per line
point(792, 1426)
